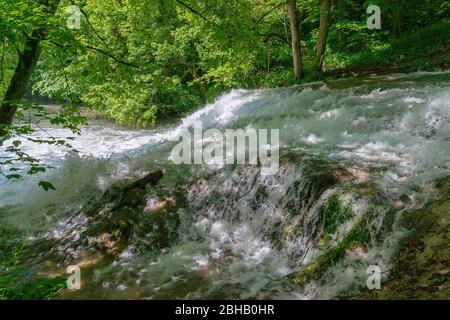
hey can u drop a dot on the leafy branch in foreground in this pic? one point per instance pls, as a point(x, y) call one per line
point(14, 160)
point(15, 283)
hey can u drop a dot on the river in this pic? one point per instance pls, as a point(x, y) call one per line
point(392, 133)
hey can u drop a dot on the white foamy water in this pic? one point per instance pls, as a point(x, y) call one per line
point(393, 131)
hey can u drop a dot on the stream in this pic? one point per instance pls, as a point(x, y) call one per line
point(378, 143)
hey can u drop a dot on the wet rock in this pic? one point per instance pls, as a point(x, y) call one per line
point(341, 230)
point(51, 269)
point(111, 246)
point(118, 197)
point(158, 228)
point(156, 205)
point(305, 198)
point(126, 215)
point(359, 174)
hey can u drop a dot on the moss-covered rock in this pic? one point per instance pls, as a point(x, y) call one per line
point(342, 230)
point(357, 236)
point(125, 215)
point(334, 214)
point(422, 270)
point(158, 228)
point(303, 202)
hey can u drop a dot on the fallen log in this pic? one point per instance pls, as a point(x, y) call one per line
point(118, 194)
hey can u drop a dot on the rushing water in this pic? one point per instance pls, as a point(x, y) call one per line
point(390, 132)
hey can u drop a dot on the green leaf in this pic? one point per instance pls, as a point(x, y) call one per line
point(46, 185)
point(35, 170)
point(19, 115)
point(16, 143)
point(13, 176)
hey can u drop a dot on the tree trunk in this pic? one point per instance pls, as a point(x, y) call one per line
point(19, 82)
point(295, 38)
point(325, 15)
point(28, 59)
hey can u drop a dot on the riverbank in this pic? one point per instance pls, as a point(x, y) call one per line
point(438, 61)
point(427, 49)
point(422, 270)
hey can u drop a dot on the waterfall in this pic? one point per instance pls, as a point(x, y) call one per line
point(354, 155)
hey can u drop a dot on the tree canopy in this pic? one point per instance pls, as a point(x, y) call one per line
point(137, 61)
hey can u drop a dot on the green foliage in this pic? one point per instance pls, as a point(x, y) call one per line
point(349, 36)
point(46, 185)
point(418, 50)
point(428, 39)
point(42, 289)
point(334, 214)
point(139, 61)
point(14, 162)
point(14, 287)
point(19, 20)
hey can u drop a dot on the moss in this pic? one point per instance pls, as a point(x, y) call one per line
point(303, 193)
point(308, 273)
point(334, 214)
point(356, 236)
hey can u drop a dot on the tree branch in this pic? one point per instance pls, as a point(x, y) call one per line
point(109, 55)
point(112, 57)
point(274, 35)
point(89, 23)
point(270, 11)
point(192, 10)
